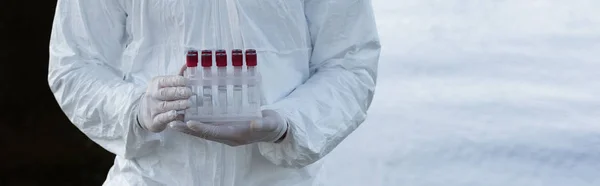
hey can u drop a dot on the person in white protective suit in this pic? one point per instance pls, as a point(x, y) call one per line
point(114, 70)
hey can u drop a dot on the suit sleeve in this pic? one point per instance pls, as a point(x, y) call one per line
point(87, 40)
point(333, 102)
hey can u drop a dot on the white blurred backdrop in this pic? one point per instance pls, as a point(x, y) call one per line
point(483, 93)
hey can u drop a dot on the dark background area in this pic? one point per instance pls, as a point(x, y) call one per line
point(39, 146)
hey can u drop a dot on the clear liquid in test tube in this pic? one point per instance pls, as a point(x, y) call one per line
point(207, 97)
point(251, 63)
point(237, 62)
point(191, 73)
point(221, 58)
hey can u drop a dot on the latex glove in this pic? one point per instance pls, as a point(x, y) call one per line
point(164, 96)
point(271, 128)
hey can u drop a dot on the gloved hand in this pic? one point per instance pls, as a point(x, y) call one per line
point(271, 128)
point(164, 96)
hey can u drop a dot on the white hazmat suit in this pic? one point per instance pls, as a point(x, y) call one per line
point(318, 60)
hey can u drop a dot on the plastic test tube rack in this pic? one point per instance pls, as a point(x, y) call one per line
point(223, 91)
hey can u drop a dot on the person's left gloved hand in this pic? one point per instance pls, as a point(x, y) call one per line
point(271, 128)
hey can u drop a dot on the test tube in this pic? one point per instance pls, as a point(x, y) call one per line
point(207, 98)
point(191, 63)
point(221, 57)
point(237, 62)
point(251, 62)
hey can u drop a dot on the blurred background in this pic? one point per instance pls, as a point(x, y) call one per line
point(39, 144)
point(470, 92)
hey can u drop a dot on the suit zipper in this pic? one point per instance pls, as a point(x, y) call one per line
point(219, 37)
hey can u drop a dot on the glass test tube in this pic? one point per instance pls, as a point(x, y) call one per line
point(251, 62)
point(221, 57)
point(192, 63)
point(207, 98)
point(237, 62)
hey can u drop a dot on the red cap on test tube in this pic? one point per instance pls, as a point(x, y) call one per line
point(191, 58)
point(221, 57)
point(237, 58)
point(251, 58)
point(206, 58)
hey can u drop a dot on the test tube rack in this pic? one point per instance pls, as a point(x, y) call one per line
point(227, 90)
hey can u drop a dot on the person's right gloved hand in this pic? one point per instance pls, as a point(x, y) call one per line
point(164, 96)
